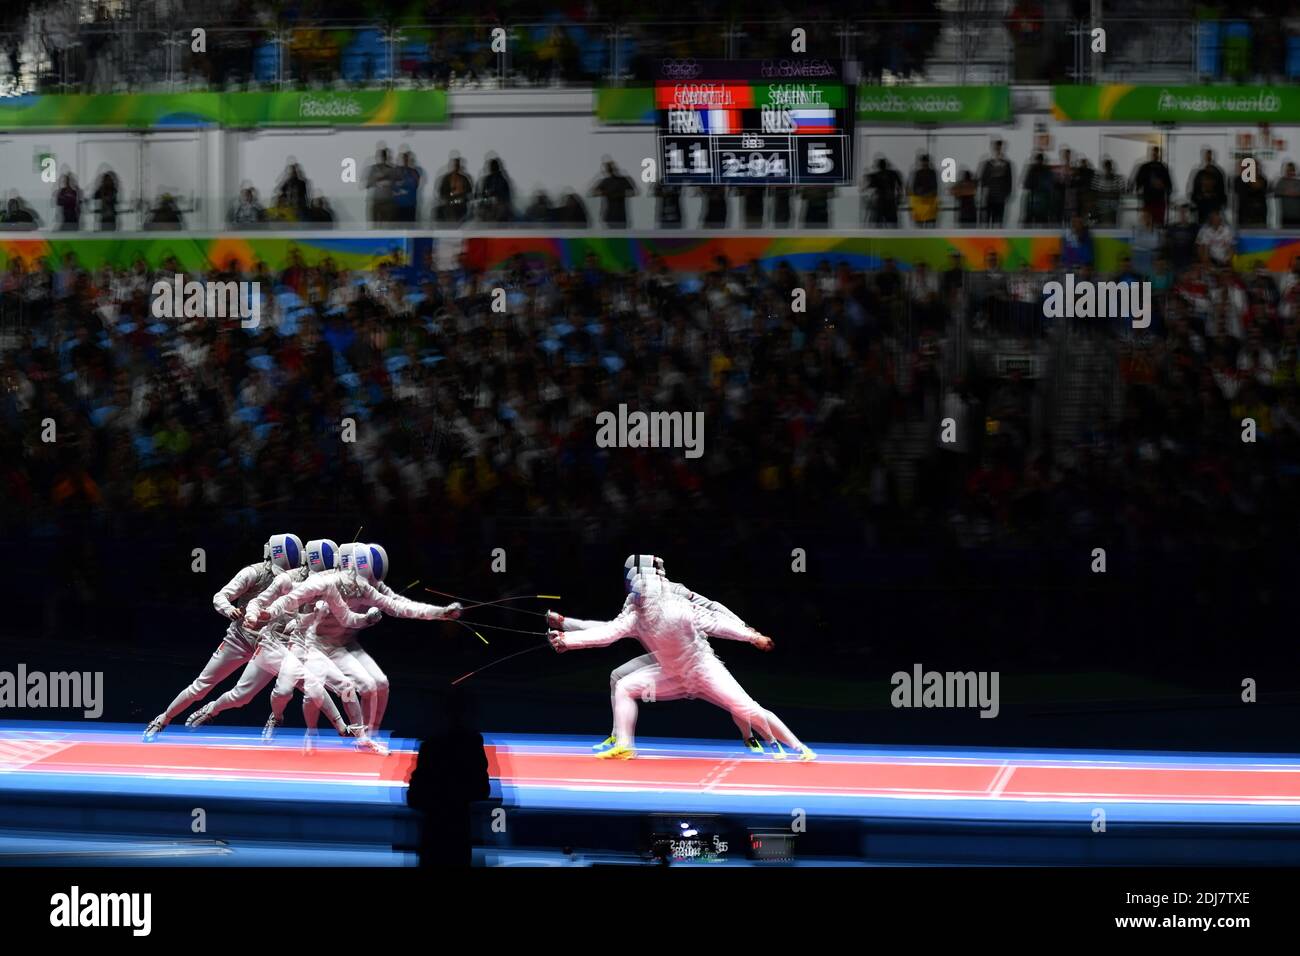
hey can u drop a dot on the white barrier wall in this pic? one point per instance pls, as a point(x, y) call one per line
point(546, 140)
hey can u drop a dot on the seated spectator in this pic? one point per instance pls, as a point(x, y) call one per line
point(165, 214)
point(495, 195)
point(539, 211)
point(1146, 242)
point(247, 210)
point(319, 211)
point(572, 212)
point(18, 215)
point(1180, 240)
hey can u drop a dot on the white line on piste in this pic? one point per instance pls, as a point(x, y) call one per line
point(1001, 780)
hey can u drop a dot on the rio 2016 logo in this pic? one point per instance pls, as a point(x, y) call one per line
point(679, 69)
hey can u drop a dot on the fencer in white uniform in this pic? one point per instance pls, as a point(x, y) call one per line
point(674, 631)
point(281, 654)
point(631, 567)
point(280, 553)
point(359, 584)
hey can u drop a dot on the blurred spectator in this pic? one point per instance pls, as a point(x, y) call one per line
point(539, 211)
point(614, 190)
point(1038, 185)
point(996, 180)
point(408, 179)
point(1153, 183)
point(495, 202)
point(381, 180)
point(18, 215)
point(1252, 200)
point(816, 206)
point(923, 190)
point(165, 214)
point(1109, 188)
point(1146, 242)
point(68, 200)
point(964, 191)
point(668, 206)
point(1216, 240)
point(247, 210)
point(753, 205)
point(1287, 190)
point(572, 212)
point(106, 195)
point(714, 213)
point(455, 191)
point(1076, 245)
point(883, 191)
point(1207, 188)
point(319, 212)
point(1181, 239)
point(291, 192)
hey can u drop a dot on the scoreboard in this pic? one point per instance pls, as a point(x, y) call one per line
point(755, 122)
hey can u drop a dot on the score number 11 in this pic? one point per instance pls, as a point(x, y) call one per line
point(699, 160)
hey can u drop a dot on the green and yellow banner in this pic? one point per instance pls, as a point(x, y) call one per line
point(1120, 103)
point(200, 110)
point(934, 104)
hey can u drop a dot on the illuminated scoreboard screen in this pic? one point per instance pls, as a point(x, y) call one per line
point(751, 122)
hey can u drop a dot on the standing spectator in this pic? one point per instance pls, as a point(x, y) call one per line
point(495, 194)
point(1252, 200)
point(753, 201)
point(996, 180)
point(668, 206)
point(714, 214)
point(1154, 184)
point(380, 181)
point(407, 179)
point(884, 189)
point(1207, 188)
point(614, 189)
point(68, 199)
point(1038, 185)
point(1216, 240)
point(292, 191)
point(1108, 188)
point(1181, 239)
point(781, 206)
point(816, 206)
point(106, 194)
point(1064, 203)
point(923, 190)
point(1287, 191)
point(964, 191)
point(455, 190)
point(1080, 189)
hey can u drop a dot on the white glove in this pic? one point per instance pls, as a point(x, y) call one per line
point(453, 611)
point(555, 619)
point(557, 641)
point(373, 616)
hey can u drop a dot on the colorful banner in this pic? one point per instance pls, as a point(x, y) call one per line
point(934, 104)
point(1118, 103)
point(200, 253)
point(191, 110)
point(625, 106)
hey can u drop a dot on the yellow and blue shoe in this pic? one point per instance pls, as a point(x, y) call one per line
point(616, 753)
point(778, 753)
point(806, 754)
point(605, 744)
point(754, 744)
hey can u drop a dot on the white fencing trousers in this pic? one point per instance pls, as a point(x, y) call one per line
point(262, 668)
point(648, 660)
point(709, 680)
point(311, 670)
point(372, 683)
point(225, 660)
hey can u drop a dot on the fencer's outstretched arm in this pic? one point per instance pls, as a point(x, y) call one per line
point(562, 623)
point(601, 635)
point(719, 625)
point(317, 586)
point(700, 601)
point(235, 588)
point(283, 584)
